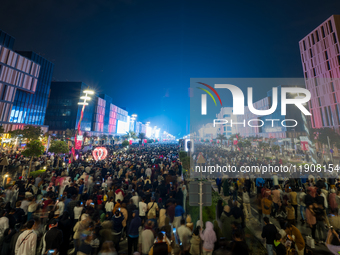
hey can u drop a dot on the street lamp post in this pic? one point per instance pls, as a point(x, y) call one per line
point(84, 103)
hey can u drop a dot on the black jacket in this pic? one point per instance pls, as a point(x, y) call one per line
point(280, 249)
point(53, 239)
point(269, 232)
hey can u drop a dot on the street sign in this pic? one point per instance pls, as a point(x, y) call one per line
point(194, 193)
point(200, 159)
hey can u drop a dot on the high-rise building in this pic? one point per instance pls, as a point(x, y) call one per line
point(100, 115)
point(30, 108)
point(63, 111)
point(18, 75)
point(321, 66)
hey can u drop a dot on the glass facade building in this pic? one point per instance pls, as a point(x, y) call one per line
point(18, 75)
point(63, 112)
point(30, 108)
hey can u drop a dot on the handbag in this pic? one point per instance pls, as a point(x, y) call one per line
point(310, 242)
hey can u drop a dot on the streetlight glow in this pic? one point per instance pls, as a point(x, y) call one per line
point(90, 92)
point(85, 97)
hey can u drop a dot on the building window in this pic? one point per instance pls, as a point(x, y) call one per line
point(319, 101)
point(334, 97)
point(328, 65)
point(326, 55)
point(322, 32)
point(327, 116)
point(228, 128)
point(306, 76)
point(311, 53)
point(314, 72)
point(332, 86)
point(330, 26)
point(330, 116)
point(317, 35)
point(337, 48)
point(304, 45)
point(337, 111)
point(313, 39)
point(226, 116)
point(334, 38)
point(316, 82)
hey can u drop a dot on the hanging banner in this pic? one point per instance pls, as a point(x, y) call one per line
point(304, 145)
point(130, 142)
point(78, 144)
point(235, 141)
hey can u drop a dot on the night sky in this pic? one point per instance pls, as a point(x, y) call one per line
point(143, 53)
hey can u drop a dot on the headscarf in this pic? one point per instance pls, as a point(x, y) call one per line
point(209, 234)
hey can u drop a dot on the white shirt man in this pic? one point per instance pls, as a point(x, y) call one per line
point(24, 205)
point(147, 240)
point(61, 207)
point(135, 199)
point(109, 206)
point(4, 224)
point(27, 241)
point(148, 172)
point(142, 208)
point(184, 234)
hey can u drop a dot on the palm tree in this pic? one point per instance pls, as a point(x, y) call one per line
point(221, 137)
point(141, 136)
point(130, 135)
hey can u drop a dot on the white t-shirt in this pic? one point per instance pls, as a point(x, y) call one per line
point(109, 206)
point(61, 207)
point(142, 208)
point(77, 212)
point(135, 200)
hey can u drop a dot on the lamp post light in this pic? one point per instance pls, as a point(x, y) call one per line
point(85, 98)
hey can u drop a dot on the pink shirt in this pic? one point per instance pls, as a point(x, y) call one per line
point(310, 217)
point(276, 196)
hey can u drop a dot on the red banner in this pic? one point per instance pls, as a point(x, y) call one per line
point(304, 146)
point(78, 145)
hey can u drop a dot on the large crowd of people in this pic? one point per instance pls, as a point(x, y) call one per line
point(136, 200)
point(137, 195)
point(289, 200)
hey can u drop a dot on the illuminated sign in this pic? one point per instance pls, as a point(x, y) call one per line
point(99, 153)
point(122, 127)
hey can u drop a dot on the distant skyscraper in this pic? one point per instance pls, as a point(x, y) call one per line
point(321, 66)
point(30, 108)
point(17, 75)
